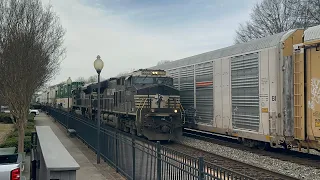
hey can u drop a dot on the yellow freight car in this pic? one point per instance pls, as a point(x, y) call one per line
point(307, 89)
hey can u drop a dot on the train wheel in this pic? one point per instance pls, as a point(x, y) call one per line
point(133, 131)
point(126, 129)
point(287, 147)
point(139, 132)
point(263, 146)
point(248, 142)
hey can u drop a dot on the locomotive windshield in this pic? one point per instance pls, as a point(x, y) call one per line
point(153, 80)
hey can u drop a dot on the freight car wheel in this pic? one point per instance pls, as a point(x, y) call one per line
point(126, 129)
point(263, 146)
point(248, 143)
point(287, 147)
point(133, 131)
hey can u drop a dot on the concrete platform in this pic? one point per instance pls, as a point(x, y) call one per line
point(84, 156)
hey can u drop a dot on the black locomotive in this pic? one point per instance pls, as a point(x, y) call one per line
point(143, 102)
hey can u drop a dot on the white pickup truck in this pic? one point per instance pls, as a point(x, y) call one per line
point(34, 111)
point(11, 166)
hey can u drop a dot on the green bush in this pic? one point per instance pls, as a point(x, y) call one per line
point(27, 132)
point(31, 117)
point(30, 125)
point(27, 144)
point(10, 142)
point(13, 142)
point(5, 118)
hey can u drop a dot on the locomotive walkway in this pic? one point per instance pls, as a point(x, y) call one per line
point(84, 156)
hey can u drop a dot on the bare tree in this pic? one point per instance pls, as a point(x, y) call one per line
point(80, 79)
point(92, 79)
point(124, 73)
point(313, 11)
point(274, 16)
point(163, 62)
point(31, 50)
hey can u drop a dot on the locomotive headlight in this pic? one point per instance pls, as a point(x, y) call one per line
point(175, 111)
point(152, 110)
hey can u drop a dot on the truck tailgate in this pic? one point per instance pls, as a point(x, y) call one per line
point(8, 163)
point(5, 170)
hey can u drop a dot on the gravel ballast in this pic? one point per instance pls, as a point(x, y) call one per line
point(284, 167)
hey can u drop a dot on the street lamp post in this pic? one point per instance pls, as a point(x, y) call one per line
point(69, 81)
point(98, 65)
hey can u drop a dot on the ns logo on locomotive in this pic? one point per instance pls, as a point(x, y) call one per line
point(143, 102)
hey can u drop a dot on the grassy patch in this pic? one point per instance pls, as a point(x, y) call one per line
point(5, 130)
point(6, 127)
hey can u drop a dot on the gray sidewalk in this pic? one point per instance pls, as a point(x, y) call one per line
point(85, 157)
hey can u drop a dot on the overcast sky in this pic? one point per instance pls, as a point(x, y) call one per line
point(137, 34)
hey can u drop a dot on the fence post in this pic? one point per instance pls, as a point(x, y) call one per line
point(33, 160)
point(116, 139)
point(158, 161)
point(133, 159)
point(33, 140)
point(201, 168)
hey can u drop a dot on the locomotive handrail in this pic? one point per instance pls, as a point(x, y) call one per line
point(184, 117)
point(145, 99)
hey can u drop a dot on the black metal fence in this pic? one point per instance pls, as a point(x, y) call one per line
point(139, 159)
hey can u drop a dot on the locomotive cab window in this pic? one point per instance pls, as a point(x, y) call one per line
point(164, 80)
point(128, 81)
point(143, 80)
point(122, 81)
point(153, 80)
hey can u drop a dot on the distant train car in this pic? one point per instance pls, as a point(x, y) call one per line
point(144, 103)
point(64, 92)
point(265, 92)
point(82, 98)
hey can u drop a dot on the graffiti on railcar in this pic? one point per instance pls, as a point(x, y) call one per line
point(315, 93)
point(316, 116)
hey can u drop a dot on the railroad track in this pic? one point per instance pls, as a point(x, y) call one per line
point(281, 154)
point(234, 165)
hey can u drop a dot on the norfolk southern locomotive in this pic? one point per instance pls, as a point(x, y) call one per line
point(143, 102)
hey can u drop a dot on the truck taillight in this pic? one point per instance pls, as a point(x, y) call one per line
point(15, 174)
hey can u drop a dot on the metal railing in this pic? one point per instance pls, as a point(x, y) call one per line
point(138, 159)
